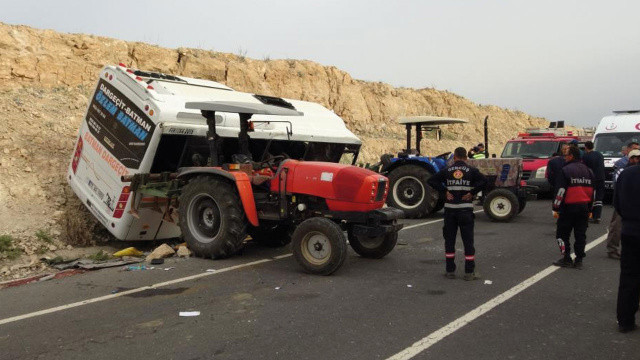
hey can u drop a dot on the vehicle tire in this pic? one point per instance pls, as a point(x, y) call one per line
point(373, 247)
point(319, 246)
point(408, 191)
point(212, 218)
point(501, 205)
point(271, 235)
point(522, 202)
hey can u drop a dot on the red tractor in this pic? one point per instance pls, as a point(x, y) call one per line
point(275, 200)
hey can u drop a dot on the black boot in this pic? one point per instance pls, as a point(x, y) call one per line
point(564, 262)
point(578, 263)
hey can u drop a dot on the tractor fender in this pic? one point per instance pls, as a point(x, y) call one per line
point(242, 181)
point(400, 162)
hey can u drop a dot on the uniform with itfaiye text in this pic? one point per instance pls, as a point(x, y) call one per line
point(459, 180)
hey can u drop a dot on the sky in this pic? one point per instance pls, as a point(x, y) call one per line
point(564, 60)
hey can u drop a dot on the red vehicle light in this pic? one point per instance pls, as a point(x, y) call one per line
point(122, 202)
point(77, 156)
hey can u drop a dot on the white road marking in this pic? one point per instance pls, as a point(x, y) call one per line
point(433, 338)
point(137, 290)
point(429, 222)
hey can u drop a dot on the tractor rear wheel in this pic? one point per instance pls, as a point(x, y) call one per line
point(212, 218)
point(501, 205)
point(373, 247)
point(319, 246)
point(409, 191)
point(271, 235)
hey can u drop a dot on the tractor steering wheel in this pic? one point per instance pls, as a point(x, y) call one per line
point(272, 162)
point(444, 155)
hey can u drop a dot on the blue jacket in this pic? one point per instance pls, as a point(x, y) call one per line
point(626, 200)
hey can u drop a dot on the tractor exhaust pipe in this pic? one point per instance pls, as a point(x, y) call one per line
point(486, 137)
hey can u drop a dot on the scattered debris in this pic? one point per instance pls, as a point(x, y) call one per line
point(130, 251)
point(169, 268)
point(162, 251)
point(89, 264)
point(277, 287)
point(136, 268)
point(488, 282)
point(179, 245)
point(157, 261)
point(189, 313)
point(409, 285)
point(183, 252)
point(100, 256)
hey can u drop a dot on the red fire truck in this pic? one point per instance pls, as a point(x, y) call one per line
point(536, 146)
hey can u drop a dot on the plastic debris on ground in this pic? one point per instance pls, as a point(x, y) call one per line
point(488, 282)
point(89, 264)
point(136, 268)
point(189, 313)
point(169, 268)
point(409, 286)
point(130, 251)
point(157, 261)
point(277, 287)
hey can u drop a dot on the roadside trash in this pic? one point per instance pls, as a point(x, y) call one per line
point(277, 287)
point(409, 286)
point(135, 267)
point(130, 251)
point(169, 268)
point(179, 245)
point(189, 313)
point(211, 270)
point(88, 264)
point(183, 252)
point(488, 282)
point(56, 260)
point(47, 277)
point(157, 261)
point(162, 251)
point(114, 291)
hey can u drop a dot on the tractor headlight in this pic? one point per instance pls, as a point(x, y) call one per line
point(540, 172)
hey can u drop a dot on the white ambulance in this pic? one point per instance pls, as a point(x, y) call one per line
point(614, 132)
point(136, 122)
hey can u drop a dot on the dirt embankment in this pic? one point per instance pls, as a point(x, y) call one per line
point(46, 78)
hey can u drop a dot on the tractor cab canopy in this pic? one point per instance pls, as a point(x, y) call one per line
point(425, 123)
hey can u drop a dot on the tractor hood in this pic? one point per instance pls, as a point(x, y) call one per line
point(345, 187)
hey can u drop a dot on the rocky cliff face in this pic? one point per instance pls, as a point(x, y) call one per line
point(46, 78)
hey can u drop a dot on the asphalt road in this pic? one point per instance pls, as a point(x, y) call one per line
point(257, 306)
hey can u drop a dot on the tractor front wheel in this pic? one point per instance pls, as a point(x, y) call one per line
point(319, 246)
point(409, 191)
point(373, 247)
point(212, 218)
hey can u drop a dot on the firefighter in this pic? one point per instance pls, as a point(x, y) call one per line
point(460, 182)
point(573, 201)
point(627, 193)
point(595, 161)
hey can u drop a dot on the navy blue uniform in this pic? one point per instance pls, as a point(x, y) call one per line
point(459, 180)
point(595, 161)
point(573, 201)
point(554, 167)
point(627, 203)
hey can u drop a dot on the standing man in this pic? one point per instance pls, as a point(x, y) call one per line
point(554, 166)
point(460, 182)
point(573, 202)
point(615, 226)
point(627, 203)
point(595, 161)
point(479, 154)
